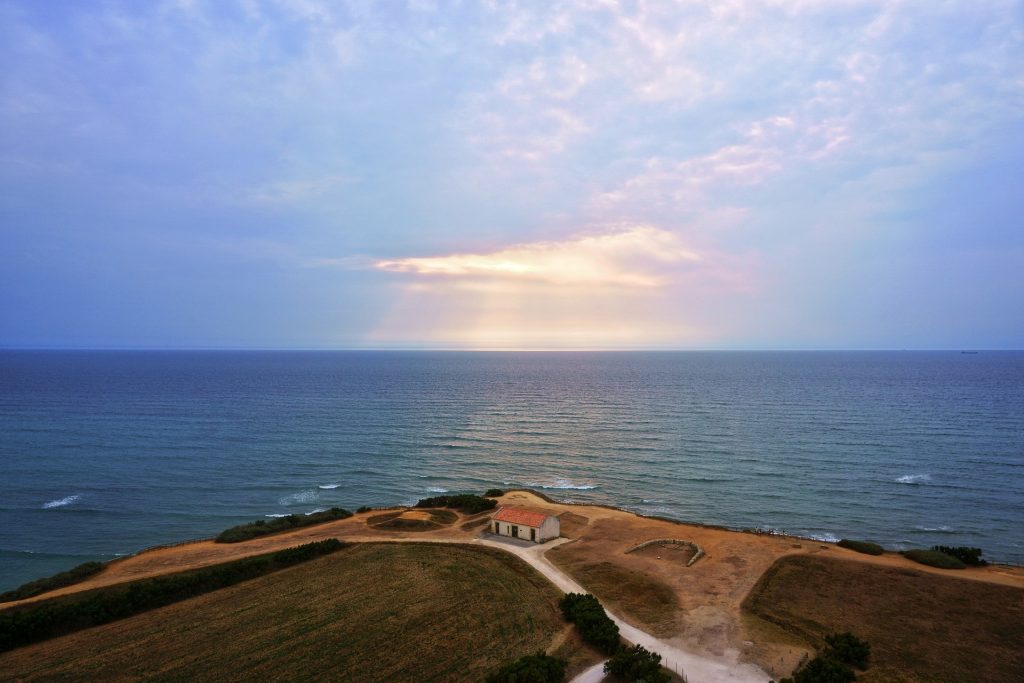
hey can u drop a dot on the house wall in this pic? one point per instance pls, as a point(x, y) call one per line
point(550, 529)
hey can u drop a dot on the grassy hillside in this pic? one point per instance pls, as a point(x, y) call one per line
point(921, 627)
point(372, 612)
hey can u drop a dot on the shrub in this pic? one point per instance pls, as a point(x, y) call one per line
point(866, 547)
point(494, 493)
point(934, 558)
point(465, 502)
point(636, 664)
point(848, 649)
point(21, 625)
point(538, 668)
point(245, 532)
point(364, 508)
point(49, 583)
point(822, 670)
point(591, 621)
point(969, 556)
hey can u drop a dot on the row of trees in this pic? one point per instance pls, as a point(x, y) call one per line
point(466, 502)
point(49, 583)
point(261, 527)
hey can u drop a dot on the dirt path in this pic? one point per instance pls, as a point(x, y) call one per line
point(697, 668)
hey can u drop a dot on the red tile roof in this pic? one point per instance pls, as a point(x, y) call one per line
point(520, 516)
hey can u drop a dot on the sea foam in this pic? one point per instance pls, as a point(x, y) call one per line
point(914, 479)
point(564, 484)
point(299, 498)
point(328, 486)
point(61, 502)
point(437, 489)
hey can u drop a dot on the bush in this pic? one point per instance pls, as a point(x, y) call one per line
point(538, 668)
point(848, 649)
point(364, 508)
point(494, 493)
point(466, 502)
point(969, 556)
point(49, 583)
point(636, 664)
point(38, 621)
point(591, 621)
point(934, 558)
point(822, 670)
point(866, 547)
point(245, 532)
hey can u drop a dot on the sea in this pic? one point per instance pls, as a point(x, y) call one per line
point(105, 453)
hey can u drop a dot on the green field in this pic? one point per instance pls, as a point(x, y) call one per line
point(922, 628)
point(371, 612)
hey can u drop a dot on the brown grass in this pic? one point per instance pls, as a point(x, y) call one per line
point(634, 595)
point(372, 612)
point(921, 627)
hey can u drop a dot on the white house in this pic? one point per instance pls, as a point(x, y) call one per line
point(525, 524)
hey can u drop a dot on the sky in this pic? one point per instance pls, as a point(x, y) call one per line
point(755, 174)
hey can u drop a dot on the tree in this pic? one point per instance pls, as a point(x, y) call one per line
point(636, 664)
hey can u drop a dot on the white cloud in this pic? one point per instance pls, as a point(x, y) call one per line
point(633, 257)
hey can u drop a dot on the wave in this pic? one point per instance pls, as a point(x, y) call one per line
point(826, 537)
point(563, 484)
point(328, 486)
point(303, 497)
point(936, 529)
point(437, 489)
point(914, 479)
point(313, 512)
point(61, 502)
point(278, 514)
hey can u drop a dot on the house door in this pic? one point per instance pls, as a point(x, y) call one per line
point(515, 532)
point(533, 534)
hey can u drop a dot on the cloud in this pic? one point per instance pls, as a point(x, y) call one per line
point(640, 256)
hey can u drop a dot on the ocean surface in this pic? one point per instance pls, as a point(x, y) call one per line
point(104, 453)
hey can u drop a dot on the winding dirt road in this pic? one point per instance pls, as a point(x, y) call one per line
point(697, 668)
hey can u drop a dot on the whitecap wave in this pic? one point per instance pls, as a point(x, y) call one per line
point(313, 512)
point(328, 486)
point(301, 498)
point(826, 537)
point(437, 489)
point(936, 529)
point(914, 479)
point(278, 514)
point(563, 484)
point(61, 502)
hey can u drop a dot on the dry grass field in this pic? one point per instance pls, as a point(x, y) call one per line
point(921, 627)
point(372, 612)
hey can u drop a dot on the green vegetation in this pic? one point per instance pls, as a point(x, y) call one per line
point(49, 583)
point(466, 502)
point(494, 493)
point(245, 532)
point(844, 651)
point(969, 556)
point(636, 664)
point(38, 621)
point(364, 508)
point(934, 558)
point(370, 612)
point(590, 619)
point(538, 668)
point(822, 670)
point(922, 626)
point(866, 547)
